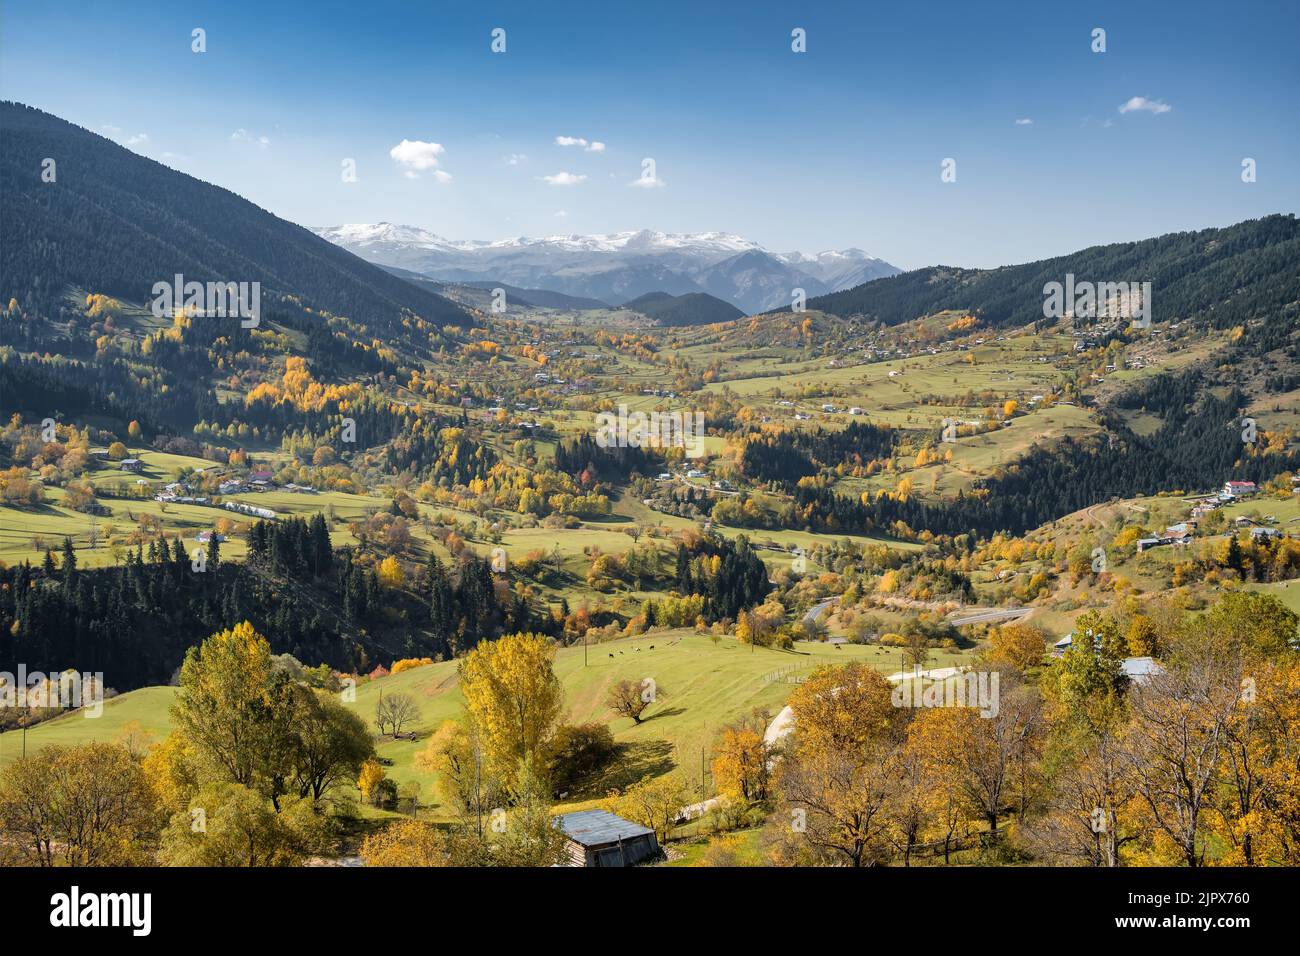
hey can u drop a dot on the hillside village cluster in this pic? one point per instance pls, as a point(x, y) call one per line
point(1183, 532)
point(232, 482)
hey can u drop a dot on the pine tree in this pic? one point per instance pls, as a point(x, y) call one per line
point(69, 564)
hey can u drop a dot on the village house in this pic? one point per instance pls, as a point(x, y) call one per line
point(1239, 489)
point(252, 510)
point(1205, 508)
point(599, 838)
point(1140, 670)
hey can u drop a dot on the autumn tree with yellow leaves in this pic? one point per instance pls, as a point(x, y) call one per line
point(514, 700)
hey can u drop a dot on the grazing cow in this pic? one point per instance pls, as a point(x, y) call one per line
point(652, 647)
point(611, 657)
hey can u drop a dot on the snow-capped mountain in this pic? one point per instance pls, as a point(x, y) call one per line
point(618, 266)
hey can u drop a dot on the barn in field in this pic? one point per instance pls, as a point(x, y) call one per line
point(599, 838)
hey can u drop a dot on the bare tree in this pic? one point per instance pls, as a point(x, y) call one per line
point(394, 712)
point(630, 698)
point(1175, 744)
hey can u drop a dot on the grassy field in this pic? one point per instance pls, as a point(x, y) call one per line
point(705, 685)
point(146, 707)
point(1288, 592)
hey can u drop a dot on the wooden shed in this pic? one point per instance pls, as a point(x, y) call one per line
point(599, 838)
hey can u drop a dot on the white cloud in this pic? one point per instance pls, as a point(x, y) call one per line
point(564, 179)
point(648, 182)
point(115, 132)
point(1142, 104)
point(419, 157)
point(416, 154)
point(561, 214)
point(1024, 122)
point(594, 146)
point(514, 159)
point(244, 136)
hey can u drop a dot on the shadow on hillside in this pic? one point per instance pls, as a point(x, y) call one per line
point(630, 763)
point(607, 519)
point(666, 712)
point(45, 508)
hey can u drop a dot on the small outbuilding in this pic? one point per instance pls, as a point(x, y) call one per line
point(599, 838)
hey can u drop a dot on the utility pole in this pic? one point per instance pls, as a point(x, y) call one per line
point(703, 787)
point(478, 792)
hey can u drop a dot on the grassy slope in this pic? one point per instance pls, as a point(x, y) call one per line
point(148, 707)
point(706, 685)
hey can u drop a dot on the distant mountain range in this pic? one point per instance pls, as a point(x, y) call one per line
point(617, 267)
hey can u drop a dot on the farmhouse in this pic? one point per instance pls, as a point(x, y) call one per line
point(1239, 489)
point(132, 464)
point(1140, 670)
point(599, 838)
point(244, 509)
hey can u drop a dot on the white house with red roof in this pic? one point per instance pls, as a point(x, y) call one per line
point(1239, 489)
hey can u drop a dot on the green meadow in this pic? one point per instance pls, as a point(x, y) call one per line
point(703, 684)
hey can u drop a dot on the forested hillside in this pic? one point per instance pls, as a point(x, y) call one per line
point(693, 308)
point(116, 222)
point(1222, 277)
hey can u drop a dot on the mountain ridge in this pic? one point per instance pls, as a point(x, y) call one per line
point(615, 266)
point(117, 222)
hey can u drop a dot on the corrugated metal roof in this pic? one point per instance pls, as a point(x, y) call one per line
point(598, 827)
point(1141, 667)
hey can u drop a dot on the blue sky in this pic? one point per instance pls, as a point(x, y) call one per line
point(839, 146)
